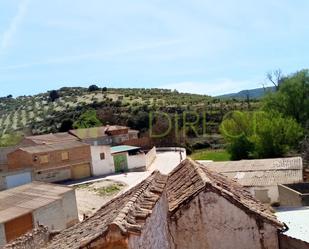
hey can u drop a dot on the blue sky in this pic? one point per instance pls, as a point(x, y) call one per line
point(199, 46)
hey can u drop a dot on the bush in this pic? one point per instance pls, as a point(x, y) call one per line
point(53, 95)
point(259, 134)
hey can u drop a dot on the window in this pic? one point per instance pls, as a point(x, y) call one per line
point(44, 159)
point(102, 156)
point(64, 156)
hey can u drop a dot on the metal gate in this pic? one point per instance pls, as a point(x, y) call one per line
point(18, 179)
point(120, 163)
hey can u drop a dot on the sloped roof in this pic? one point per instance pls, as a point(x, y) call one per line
point(53, 147)
point(189, 178)
point(96, 132)
point(261, 172)
point(128, 212)
point(52, 138)
point(24, 199)
point(123, 148)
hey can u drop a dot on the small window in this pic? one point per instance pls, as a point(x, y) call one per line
point(102, 156)
point(44, 159)
point(64, 156)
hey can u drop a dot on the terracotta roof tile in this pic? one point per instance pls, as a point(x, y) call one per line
point(189, 178)
point(128, 212)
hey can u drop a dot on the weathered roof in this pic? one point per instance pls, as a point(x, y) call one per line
point(52, 138)
point(24, 199)
point(123, 148)
point(262, 172)
point(189, 178)
point(96, 132)
point(128, 212)
point(53, 147)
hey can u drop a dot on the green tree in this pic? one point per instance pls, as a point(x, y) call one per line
point(292, 97)
point(259, 134)
point(87, 120)
point(93, 88)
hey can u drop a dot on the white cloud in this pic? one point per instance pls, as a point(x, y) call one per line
point(217, 87)
point(9, 33)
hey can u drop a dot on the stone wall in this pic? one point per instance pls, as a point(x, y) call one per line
point(287, 242)
point(210, 221)
point(36, 239)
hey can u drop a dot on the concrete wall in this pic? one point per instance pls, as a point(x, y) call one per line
point(289, 197)
point(53, 175)
point(271, 192)
point(58, 215)
point(102, 167)
point(150, 157)
point(69, 206)
point(137, 161)
point(287, 242)
point(51, 216)
point(210, 221)
point(155, 232)
point(2, 235)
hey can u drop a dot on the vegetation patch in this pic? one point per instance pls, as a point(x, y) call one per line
point(214, 155)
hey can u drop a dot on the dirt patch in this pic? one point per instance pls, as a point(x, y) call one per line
point(91, 197)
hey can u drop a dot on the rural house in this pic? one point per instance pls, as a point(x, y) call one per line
point(25, 207)
point(122, 158)
point(192, 207)
point(52, 138)
point(262, 176)
point(53, 162)
point(105, 135)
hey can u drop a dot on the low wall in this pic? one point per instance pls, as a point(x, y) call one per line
point(151, 156)
point(287, 242)
point(36, 239)
point(175, 149)
point(137, 162)
point(289, 197)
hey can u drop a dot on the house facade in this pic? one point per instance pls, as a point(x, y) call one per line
point(123, 158)
point(53, 162)
point(26, 207)
point(191, 208)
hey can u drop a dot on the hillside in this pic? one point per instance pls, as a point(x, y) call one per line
point(38, 114)
point(256, 93)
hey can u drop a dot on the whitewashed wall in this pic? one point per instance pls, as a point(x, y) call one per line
point(151, 156)
point(136, 161)
point(102, 167)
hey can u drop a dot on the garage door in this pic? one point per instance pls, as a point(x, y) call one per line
point(17, 227)
point(18, 179)
point(81, 171)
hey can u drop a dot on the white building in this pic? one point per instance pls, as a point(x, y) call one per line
point(262, 177)
point(107, 160)
point(25, 207)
